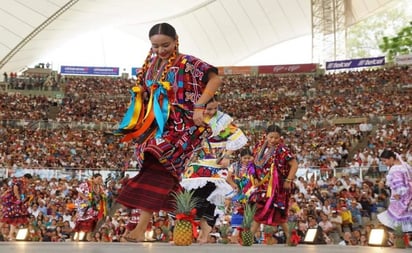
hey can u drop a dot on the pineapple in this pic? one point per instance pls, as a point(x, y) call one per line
point(399, 238)
point(224, 231)
point(268, 234)
point(246, 236)
point(185, 203)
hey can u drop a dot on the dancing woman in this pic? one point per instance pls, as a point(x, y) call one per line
point(173, 89)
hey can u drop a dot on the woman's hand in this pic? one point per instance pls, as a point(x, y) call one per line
point(287, 185)
point(198, 117)
point(225, 162)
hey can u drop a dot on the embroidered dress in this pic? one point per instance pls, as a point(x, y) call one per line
point(174, 137)
point(206, 176)
point(90, 210)
point(244, 180)
point(14, 211)
point(399, 212)
point(272, 168)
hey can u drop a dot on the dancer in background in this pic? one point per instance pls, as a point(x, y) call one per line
point(14, 204)
point(399, 212)
point(208, 174)
point(91, 205)
point(276, 167)
point(239, 172)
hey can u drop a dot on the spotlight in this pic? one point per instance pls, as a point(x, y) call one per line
point(314, 236)
point(378, 237)
point(22, 234)
point(148, 235)
point(79, 236)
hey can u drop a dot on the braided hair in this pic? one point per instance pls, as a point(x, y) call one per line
point(164, 29)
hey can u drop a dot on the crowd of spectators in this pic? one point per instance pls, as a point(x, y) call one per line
point(316, 98)
point(345, 207)
point(312, 102)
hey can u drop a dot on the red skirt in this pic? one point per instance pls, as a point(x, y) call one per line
point(271, 217)
point(151, 189)
point(85, 225)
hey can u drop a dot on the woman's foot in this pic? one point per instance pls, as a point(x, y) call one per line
point(204, 234)
point(130, 237)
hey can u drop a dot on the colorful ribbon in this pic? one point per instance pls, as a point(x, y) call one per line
point(160, 102)
point(270, 193)
point(132, 114)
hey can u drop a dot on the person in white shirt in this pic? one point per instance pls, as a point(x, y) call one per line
point(336, 221)
point(325, 223)
point(34, 210)
point(347, 237)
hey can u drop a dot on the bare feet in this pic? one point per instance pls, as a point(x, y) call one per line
point(204, 234)
point(132, 237)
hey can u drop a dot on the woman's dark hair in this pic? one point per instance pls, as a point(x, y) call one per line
point(274, 129)
point(28, 176)
point(245, 151)
point(163, 28)
point(386, 154)
point(96, 175)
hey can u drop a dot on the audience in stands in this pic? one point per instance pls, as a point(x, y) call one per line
point(337, 191)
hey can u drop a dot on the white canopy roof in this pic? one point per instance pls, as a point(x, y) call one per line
point(223, 32)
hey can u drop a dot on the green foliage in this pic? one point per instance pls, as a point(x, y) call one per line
point(268, 229)
point(224, 230)
point(398, 45)
point(364, 38)
point(184, 202)
point(248, 215)
point(397, 231)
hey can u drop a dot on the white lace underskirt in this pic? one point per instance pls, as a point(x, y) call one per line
point(386, 219)
point(218, 196)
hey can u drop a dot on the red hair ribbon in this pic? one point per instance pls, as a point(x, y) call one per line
point(191, 218)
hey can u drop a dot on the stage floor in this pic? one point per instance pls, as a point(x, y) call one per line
point(89, 247)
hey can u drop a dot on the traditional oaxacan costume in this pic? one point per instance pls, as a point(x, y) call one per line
point(167, 137)
point(91, 210)
point(14, 211)
point(244, 180)
point(205, 175)
point(271, 169)
point(399, 212)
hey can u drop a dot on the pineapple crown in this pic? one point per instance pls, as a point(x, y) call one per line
point(224, 229)
point(184, 202)
point(248, 215)
point(268, 229)
point(397, 231)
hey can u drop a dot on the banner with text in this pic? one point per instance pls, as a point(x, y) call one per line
point(356, 63)
point(291, 68)
point(94, 71)
point(235, 70)
point(135, 70)
point(405, 59)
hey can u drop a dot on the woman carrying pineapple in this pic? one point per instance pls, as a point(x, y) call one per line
point(275, 169)
point(240, 173)
point(208, 174)
point(91, 205)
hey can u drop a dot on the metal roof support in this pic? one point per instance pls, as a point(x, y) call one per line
point(328, 30)
point(36, 31)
